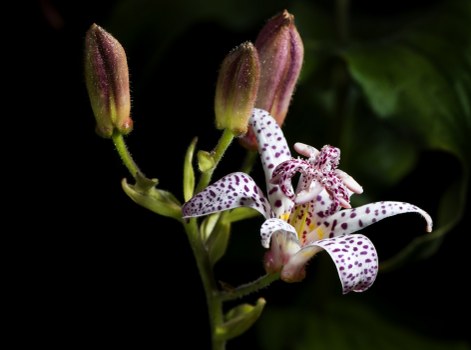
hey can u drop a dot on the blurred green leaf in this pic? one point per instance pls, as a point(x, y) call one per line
point(342, 325)
point(418, 82)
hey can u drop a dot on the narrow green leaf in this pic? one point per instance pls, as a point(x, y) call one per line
point(159, 201)
point(218, 241)
point(240, 319)
point(189, 172)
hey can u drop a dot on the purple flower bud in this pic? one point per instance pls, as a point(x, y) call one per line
point(107, 79)
point(236, 88)
point(281, 54)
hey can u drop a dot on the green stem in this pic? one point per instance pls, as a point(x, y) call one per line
point(218, 152)
point(123, 152)
point(214, 303)
point(248, 288)
point(249, 161)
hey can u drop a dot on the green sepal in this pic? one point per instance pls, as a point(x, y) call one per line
point(239, 214)
point(206, 161)
point(218, 240)
point(189, 172)
point(208, 225)
point(239, 319)
point(147, 195)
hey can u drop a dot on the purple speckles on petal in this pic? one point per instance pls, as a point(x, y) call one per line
point(270, 139)
point(216, 197)
point(362, 266)
point(371, 213)
point(270, 226)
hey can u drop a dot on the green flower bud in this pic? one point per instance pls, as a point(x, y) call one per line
point(281, 54)
point(107, 79)
point(236, 88)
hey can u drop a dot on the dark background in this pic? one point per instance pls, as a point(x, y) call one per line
point(98, 270)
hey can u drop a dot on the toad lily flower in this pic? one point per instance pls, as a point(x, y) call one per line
point(317, 216)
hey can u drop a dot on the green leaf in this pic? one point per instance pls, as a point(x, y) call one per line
point(240, 319)
point(208, 224)
point(215, 232)
point(418, 82)
point(241, 213)
point(159, 201)
point(450, 213)
point(342, 325)
point(189, 172)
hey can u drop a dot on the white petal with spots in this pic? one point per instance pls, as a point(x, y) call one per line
point(285, 171)
point(232, 191)
point(273, 147)
point(273, 150)
point(355, 258)
point(323, 206)
point(351, 220)
point(270, 226)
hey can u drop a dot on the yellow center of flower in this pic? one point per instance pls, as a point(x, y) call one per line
point(285, 216)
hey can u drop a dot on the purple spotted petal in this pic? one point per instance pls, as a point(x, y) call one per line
point(351, 220)
point(270, 226)
point(285, 171)
point(272, 144)
point(355, 258)
point(323, 207)
point(273, 150)
point(232, 191)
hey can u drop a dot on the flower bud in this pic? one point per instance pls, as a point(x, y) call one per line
point(107, 79)
point(281, 54)
point(236, 88)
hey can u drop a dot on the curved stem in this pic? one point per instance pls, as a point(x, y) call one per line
point(248, 288)
point(123, 152)
point(217, 153)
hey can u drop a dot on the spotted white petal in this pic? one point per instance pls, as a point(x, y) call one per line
point(272, 144)
point(285, 171)
point(352, 220)
point(273, 150)
point(232, 191)
point(270, 226)
point(355, 258)
point(323, 206)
